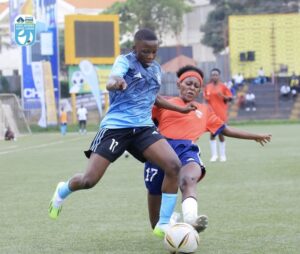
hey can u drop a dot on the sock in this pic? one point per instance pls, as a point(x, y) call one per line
point(62, 193)
point(64, 190)
point(222, 149)
point(168, 203)
point(189, 210)
point(213, 148)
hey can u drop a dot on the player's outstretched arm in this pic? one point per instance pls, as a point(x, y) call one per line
point(161, 102)
point(225, 98)
point(116, 83)
point(236, 133)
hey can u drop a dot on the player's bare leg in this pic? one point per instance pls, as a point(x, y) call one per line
point(189, 176)
point(96, 168)
point(154, 202)
point(162, 154)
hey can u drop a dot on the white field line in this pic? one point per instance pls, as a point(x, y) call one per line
point(39, 146)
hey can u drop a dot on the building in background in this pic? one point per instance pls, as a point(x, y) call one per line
point(191, 34)
point(10, 60)
point(11, 53)
point(269, 42)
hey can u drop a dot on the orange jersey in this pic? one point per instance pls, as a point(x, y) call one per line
point(63, 117)
point(213, 98)
point(189, 126)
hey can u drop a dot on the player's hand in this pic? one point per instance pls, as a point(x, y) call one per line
point(189, 107)
point(263, 139)
point(116, 83)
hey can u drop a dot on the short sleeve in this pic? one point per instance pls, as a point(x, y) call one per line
point(214, 123)
point(205, 93)
point(120, 67)
point(227, 91)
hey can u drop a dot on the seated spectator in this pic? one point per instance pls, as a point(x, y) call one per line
point(250, 101)
point(230, 85)
point(294, 84)
point(9, 135)
point(238, 80)
point(261, 78)
point(241, 99)
point(285, 91)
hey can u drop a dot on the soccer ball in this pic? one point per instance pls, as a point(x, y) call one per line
point(181, 238)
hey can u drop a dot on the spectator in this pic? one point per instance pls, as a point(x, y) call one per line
point(294, 84)
point(261, 78)
point(63, 121)
point(238, 80)
point(241, 99)
point(82, 118)
point(250, 101)
point(230, 85)
point(9, 134)
point(285, 91)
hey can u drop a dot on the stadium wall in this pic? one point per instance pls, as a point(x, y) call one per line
point(273, 40)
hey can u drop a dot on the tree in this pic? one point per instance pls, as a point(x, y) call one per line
point(216, 27)
point(161, 16)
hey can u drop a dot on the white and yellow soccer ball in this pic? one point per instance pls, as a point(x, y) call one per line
point(181, 238)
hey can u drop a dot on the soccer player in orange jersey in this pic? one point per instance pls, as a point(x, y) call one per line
point(217, 95)
point(182, 131)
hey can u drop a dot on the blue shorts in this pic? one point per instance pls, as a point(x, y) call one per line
point(186, 152)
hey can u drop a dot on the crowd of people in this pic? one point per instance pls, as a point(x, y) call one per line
point(290, 88)
point(246, 98)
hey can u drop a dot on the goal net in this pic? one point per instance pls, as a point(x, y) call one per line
point(12, 115)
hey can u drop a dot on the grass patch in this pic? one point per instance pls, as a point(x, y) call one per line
point(252, 200)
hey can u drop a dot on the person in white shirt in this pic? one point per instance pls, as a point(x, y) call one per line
point(82, 118)
point(285, 91)
point(238, 80)
point(261, 76)
point(250, 101)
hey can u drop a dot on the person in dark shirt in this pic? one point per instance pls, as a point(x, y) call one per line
point(9, 134)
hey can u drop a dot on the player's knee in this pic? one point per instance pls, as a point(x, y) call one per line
point(88, 182)
point(187, 181)
point(173, 167)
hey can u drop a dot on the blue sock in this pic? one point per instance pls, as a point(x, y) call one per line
point(168, 203)
point(64, 190)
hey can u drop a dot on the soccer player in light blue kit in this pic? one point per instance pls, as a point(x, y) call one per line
point(133, 86)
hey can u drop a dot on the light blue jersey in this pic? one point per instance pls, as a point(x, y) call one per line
point(132, 107)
